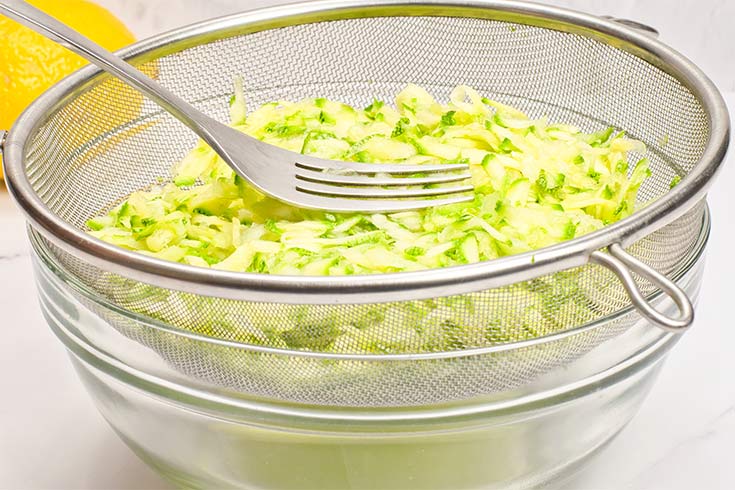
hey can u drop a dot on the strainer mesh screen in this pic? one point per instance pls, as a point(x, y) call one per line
point(109, 141)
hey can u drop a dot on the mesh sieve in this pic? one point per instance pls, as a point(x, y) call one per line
point(318, 378)
point(91, 141)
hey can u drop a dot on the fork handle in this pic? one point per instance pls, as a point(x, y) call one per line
point(37, 20)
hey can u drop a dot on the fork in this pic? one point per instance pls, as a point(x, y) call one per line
point(301, 180)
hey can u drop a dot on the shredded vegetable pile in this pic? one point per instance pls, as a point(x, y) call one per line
point(536, 183)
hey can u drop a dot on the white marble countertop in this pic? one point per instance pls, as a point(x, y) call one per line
point(51, 436)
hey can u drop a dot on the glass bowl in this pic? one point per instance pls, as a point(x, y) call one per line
point(198, 434)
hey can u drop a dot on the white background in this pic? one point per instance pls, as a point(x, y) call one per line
point(51, 437)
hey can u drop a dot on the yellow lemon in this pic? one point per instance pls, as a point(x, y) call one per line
point(30, 63)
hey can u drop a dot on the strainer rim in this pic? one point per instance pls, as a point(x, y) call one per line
point(387, 287)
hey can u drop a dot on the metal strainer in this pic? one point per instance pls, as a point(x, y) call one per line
point(90, 141)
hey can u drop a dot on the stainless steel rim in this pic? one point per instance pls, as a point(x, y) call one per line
point(385, 287)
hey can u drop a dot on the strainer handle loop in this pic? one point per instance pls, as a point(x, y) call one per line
point(3, 136)
point(623, 265)
point(634, 24)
